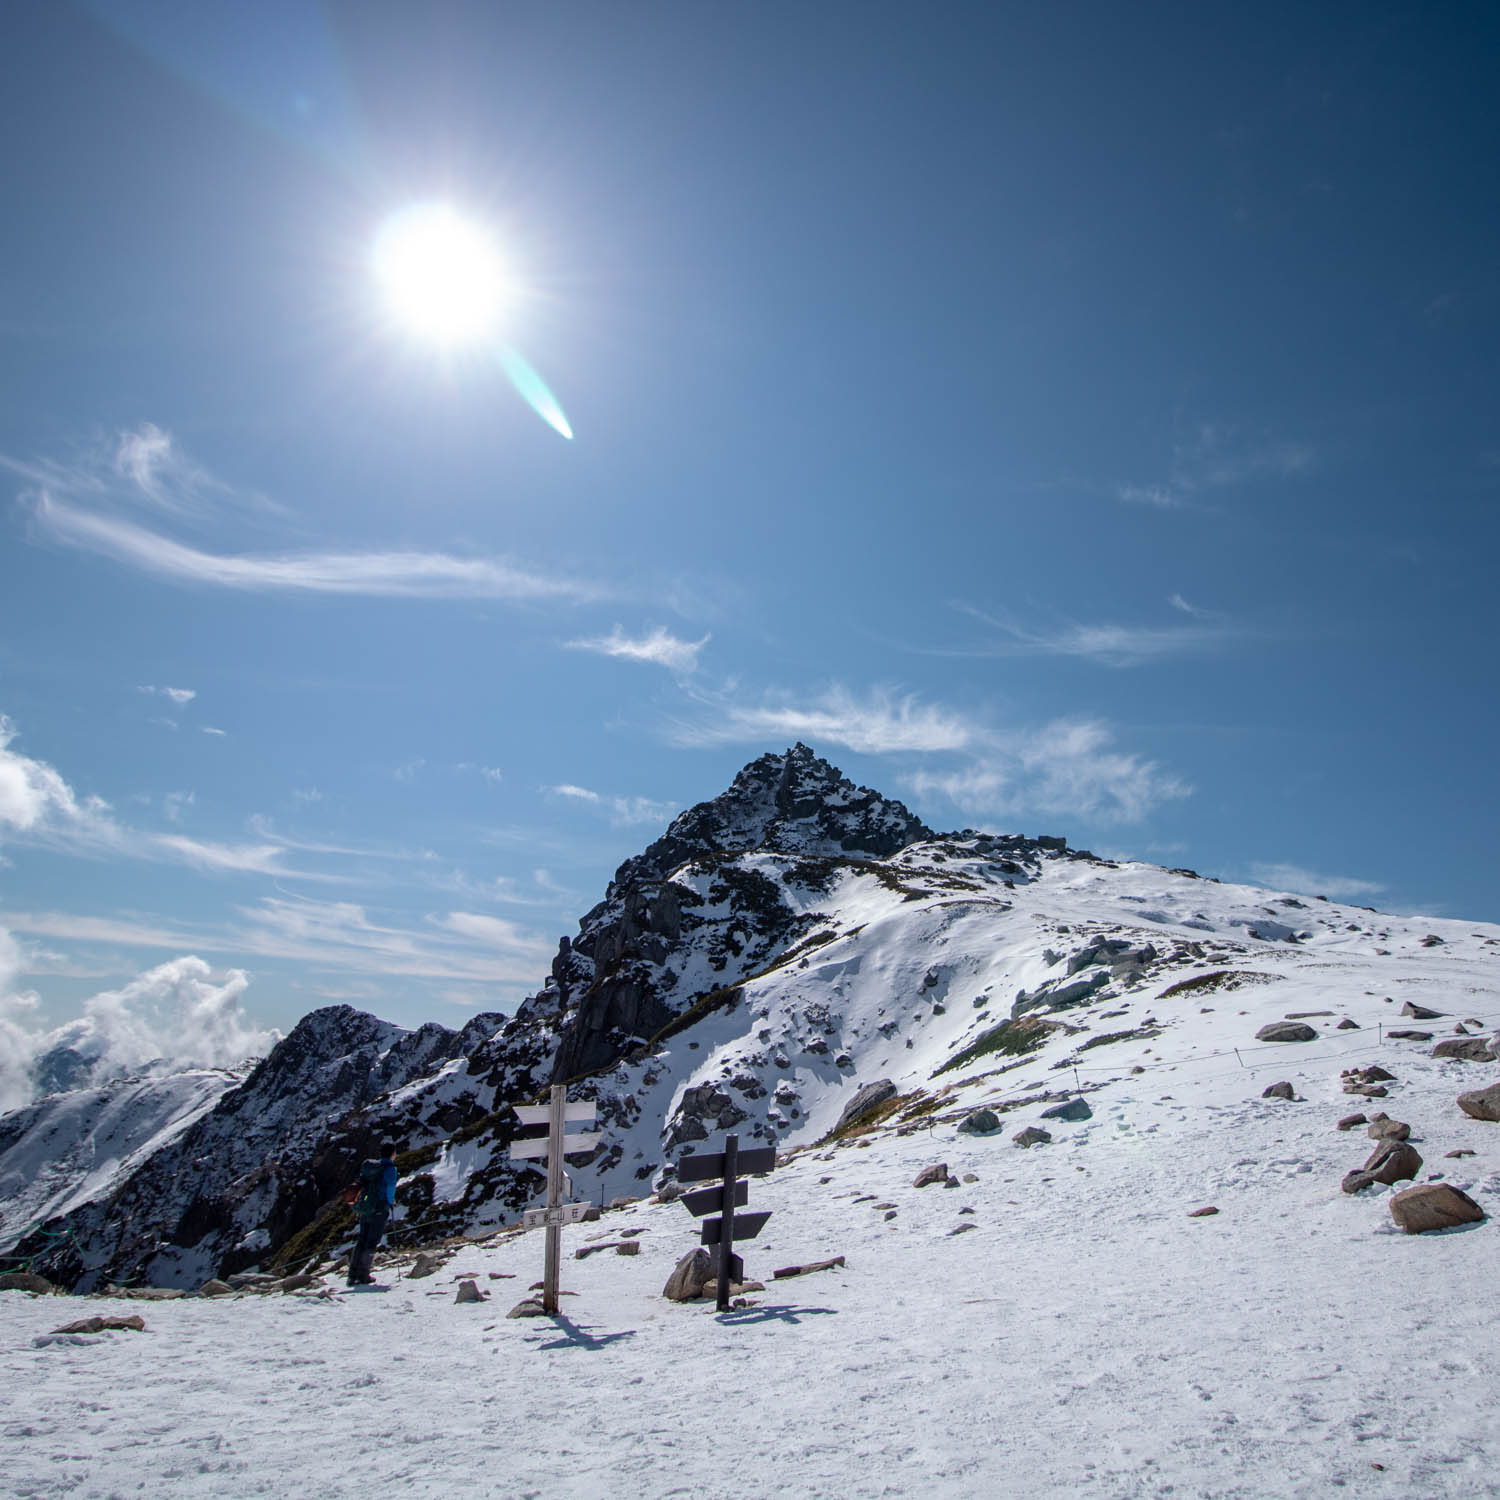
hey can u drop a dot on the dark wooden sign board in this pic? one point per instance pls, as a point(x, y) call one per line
point(731, 1194)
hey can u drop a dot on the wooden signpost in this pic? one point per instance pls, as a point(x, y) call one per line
point(731, 1194)
point(557, 1114)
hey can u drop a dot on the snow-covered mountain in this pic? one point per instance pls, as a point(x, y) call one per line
point(785, 949)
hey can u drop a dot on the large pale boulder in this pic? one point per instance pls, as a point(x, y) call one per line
point(868, 1099)
point(693, 1272)
point(1481, 1104)
point(1466, 1049)
point(1433, 1205)
point(1286, 1031)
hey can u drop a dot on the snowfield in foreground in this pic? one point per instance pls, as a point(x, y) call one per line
point(1086, 1337)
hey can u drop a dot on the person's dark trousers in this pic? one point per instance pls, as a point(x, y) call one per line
point(368, 1241)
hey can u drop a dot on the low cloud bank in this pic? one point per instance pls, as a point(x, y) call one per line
point(176, 1015)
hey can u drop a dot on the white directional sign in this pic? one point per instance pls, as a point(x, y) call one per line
point(522, 1150)
point(546, 1218)
point(581, 1113)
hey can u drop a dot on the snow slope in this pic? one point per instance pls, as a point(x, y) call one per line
point(68, 1148)
point(1085, 1337)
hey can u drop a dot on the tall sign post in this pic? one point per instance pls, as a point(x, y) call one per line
point(557, 1114)
point(723, 1231)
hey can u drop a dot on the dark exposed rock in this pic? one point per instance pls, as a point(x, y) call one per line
point(981, 1122)
point(1071, 1110)
point(1350, 1121)
point(1279, 1091)
point(1468, 1049)
point(26, 1281)
point(1357, 1182)
point(867, 1099)
point(1286, 1031)
point(692, 1274)
point(1420, 1012)
point(937, 1172)
point(1032, 1135)
point(1383, 1128)
point(1404, 1035)
point(1347, 1025)
point(1393, 1161)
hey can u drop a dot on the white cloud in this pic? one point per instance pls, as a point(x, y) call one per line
point(1289, 877)
point(179, 696)
point(658, 646)
point(306, 794)
point(490, 773)
point(1160, 496)
point(1106, 644)
point(178, 1014)
point(392, 575)
point(209, 729)
point(622, 811)
point(174, 803)
point(881, 722)
point(407, 770)
point(37, 806)
point(1067, 768)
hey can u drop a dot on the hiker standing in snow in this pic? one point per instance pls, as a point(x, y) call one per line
point(377, 1196)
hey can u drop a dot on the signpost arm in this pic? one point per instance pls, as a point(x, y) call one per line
point(552, 1273)
point(726, 1220)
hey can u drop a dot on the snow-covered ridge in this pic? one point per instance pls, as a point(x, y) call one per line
point(760, 986)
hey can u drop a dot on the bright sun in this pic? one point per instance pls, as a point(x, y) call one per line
point(441, 274)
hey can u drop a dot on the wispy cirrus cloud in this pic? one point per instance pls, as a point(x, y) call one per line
point(88, 505)
point(1110, 645)
point(1290, 877)
point(178, 695)
point(884, 720)
point(657, 646)
point(1067, 766)
point(1220, 455)
point(621, 811)
point(38, 807)
point(338, 937)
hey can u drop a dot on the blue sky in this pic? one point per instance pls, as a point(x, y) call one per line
point(1067, 418)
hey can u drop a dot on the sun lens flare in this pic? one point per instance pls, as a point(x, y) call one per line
point(441, 274)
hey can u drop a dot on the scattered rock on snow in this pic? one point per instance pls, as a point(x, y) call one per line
point(1468, 1049)
point(981, 1122)
point(426, 1263)
point(692, 1273)
point(468, 1291)
point(1286, 1031)
point(1384, 1128)
point(1410, 1036)
point(937, 1172)
point(530, 1308)
point(1461, 1151)
point(1357, 1182)
point(1033, 1135)
point(1347, 1025)
point(26, 1281)
point(135, 1323)
point(1433, 1205)
point(1076, 1108)
point(1350, 1121)
point(962, 1229)
point(807, 1270)
point(1204, 1212)
point(1420, 1012)
point(213, 1287)
point(1393, 1161)
point(971, 1177)
point(1481, 1104)
point(1279, 1091)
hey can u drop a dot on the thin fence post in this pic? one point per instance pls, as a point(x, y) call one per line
point(1240, 1059)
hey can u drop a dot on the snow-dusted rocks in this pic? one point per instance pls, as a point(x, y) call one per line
point(1281, 1090)
point(1467, 1049)
point(1286, 1031)
point(937, 1172)
point(1384, 1128)
point(981, 1122)
point(1032, 1135)
point(1433, 1205)
point(1481, 1104)
point(1072, 1110)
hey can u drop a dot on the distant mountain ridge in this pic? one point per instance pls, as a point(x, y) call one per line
point(780, 947)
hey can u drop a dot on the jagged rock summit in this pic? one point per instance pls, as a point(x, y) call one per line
point(793, 803)
point(785, 950)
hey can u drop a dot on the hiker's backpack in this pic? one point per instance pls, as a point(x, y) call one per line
point(371, 1199)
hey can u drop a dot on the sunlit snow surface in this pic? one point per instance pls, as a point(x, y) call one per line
point(1086, 1337)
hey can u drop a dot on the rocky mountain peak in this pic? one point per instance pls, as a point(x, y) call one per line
point(792, 803)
